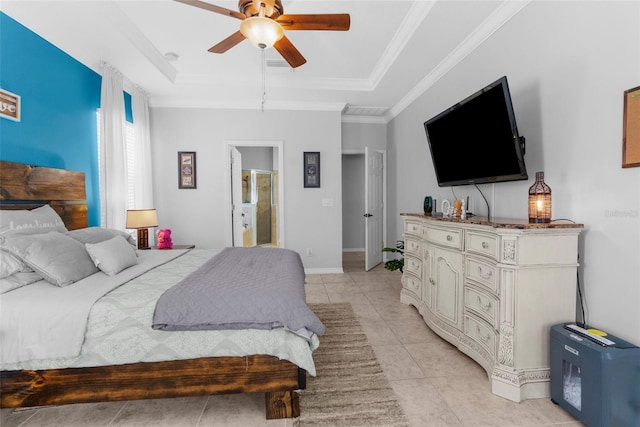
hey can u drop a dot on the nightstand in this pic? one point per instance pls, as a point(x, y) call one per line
point(176, 247)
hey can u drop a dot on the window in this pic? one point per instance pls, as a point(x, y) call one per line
point(130, 147)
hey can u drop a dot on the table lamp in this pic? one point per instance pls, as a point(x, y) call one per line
point(142, 219)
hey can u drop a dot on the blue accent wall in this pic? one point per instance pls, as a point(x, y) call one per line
point(59, 98)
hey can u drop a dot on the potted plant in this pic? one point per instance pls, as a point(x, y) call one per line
point(397, 263)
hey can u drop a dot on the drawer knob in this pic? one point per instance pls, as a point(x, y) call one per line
point(433, 282)
point(449, 238)
point(485, 245)
point(485, 276)
point(485, 307)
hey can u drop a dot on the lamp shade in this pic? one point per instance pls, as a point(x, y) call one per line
point(539, 201)
point(142, 218)
point(262, 32)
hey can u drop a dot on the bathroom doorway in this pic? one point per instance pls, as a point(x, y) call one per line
point(259, 208)
point(255, 202)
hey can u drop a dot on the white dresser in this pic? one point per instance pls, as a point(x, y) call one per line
point(494, 289)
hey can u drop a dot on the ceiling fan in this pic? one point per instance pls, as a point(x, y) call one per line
point(264, 22)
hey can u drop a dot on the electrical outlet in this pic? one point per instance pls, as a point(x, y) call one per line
point(309, 251)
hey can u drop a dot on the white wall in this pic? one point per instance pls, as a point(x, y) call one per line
point(198, 215)
point(260, 158)
point(568, 64)
point(356, 136)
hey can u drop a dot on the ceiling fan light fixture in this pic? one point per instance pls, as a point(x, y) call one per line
point(261, 32)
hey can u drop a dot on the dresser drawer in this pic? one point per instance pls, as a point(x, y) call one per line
point(412, 283)
point(482, 243)
point(483, 272)
point(413, 246)
point(413, 266)
point(413, 227)
point(480, 332)
point(482, 303)
point(449, 237)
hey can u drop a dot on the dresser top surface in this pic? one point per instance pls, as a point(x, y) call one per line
point(511, 223)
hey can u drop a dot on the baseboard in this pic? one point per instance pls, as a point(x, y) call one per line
point(337, 270)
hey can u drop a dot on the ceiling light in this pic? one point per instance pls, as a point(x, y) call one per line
point(261, 32)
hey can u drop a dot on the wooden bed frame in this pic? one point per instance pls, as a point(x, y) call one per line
point(25, 187)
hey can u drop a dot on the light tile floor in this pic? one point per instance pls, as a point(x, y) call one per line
point(435, 383)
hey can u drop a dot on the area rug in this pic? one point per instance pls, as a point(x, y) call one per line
point(350, 388)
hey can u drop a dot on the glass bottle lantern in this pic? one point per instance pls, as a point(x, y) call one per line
point(539, 201)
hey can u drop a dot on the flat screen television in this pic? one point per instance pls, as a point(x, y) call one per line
point(476, 141)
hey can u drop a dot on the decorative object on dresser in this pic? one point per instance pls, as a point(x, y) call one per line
point(142, 219)
point(493, 289)
point(428, 205)
point(539, 201)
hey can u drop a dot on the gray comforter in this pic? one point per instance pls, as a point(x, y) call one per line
point(240, 288)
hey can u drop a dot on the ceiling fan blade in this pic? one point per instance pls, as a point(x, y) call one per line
point(227, 43)
point(289, 52)
point(331, 22)
point(213, 8)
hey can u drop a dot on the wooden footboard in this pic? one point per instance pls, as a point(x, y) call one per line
point(278, 379)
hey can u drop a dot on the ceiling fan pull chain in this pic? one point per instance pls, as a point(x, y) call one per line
point(264, 90)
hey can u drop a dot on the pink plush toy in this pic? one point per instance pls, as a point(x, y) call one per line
point(164, 238)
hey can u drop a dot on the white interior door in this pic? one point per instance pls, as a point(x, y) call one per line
point(374, 204)
point(236, 196)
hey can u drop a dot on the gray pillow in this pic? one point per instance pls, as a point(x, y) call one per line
point(99, 234)
point(58, 258)
point(34, 221)
point(18, 280)
point(9, 264)
point(113, 255)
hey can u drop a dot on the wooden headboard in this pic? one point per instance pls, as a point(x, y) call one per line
point(26, 187)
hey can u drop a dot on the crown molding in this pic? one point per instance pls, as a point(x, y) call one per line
point(372, 120)
point(503, 13)
point(410, 24)
point(245, 105)
point(130, 30)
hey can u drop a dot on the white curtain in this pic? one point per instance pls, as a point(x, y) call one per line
point(142, 185)
point(113, 153)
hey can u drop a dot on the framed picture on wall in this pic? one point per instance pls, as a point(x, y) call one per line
point(631, 129)
point(186, 169)
point(312, 169)
point(9, 105)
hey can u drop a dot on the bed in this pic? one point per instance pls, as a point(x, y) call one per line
point(25, 187)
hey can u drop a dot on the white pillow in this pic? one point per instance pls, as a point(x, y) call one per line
point(35, 221)
point(113, 255)
point(59, 259)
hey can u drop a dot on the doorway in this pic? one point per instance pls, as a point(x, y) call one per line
point(259, 208)
point(364, 213)
point(264, 160)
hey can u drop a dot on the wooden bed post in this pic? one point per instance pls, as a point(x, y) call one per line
point(282, 404)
